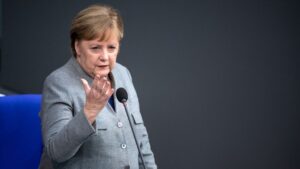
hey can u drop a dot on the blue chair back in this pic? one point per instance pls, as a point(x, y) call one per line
point(20, 132)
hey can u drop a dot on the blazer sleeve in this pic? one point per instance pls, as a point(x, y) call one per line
point(141, 130)
point(63, 132)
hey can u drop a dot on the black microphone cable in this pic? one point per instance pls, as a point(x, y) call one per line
point(122, 96)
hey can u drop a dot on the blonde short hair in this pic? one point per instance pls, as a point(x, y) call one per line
point(95, 21)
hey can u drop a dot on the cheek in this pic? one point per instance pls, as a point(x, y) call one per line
point(90, 62)
point(113, 60)
point(91, 59)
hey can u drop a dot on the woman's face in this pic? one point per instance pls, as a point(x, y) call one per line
point(97, 57)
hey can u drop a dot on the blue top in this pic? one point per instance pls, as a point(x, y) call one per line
point(111, 102)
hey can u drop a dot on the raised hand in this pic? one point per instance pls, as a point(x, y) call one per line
point(97, 96)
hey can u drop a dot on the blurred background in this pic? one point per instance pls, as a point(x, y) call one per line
point(218, 81)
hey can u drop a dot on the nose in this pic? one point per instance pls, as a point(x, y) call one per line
point(104, 55)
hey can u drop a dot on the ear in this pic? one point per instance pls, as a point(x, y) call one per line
point(77, 49)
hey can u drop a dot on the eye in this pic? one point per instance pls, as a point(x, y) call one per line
point(111, 48)
point(95, 47)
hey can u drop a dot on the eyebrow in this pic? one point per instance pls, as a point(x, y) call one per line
point(97, 44)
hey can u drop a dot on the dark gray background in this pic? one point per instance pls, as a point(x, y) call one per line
point(218, 80)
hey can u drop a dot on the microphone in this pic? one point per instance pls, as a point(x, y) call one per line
point(122, 97)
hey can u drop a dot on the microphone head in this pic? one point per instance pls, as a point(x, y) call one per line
point(122, 95)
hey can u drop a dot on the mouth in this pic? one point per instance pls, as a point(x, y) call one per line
point(103, 66)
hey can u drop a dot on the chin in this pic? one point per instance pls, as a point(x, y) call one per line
point(102, 73)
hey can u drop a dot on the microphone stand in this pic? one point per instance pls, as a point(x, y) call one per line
point(136, 142)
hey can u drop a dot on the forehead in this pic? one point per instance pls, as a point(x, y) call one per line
point(110, 34)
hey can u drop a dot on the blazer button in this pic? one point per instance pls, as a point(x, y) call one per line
point(120, 124)
point(127, 167)
point(123, 146)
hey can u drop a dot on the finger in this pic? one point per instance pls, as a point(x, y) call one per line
point(104, 77)
point(106, 87)
point(95, 94)
point(86, 86)
point(109, 93)
point(97, 83)
point(101, 77)
point(109, 90)
point(102, 85)
point(98, 76)
point(99, 88)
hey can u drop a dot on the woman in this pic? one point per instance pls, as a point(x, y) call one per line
point(83, 125)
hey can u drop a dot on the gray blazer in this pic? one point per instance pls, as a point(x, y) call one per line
point(70, 142)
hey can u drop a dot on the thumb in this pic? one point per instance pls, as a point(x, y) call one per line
point(86, 86)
